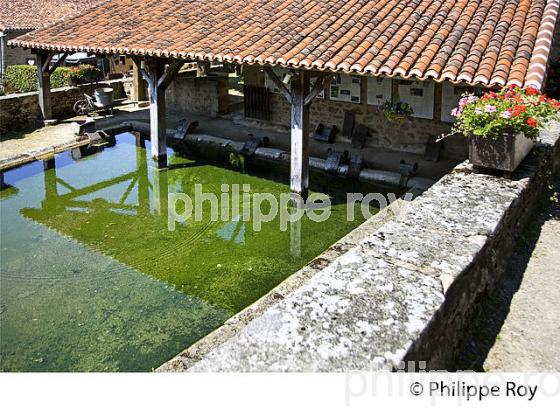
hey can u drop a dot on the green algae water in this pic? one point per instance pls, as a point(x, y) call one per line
point(91, 279)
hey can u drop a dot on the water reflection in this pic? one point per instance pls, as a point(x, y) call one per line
point(93, 280)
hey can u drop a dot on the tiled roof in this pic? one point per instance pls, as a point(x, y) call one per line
point(33, 14)
point(490, 42)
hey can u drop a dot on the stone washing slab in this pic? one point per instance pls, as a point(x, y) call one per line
point(359, 313)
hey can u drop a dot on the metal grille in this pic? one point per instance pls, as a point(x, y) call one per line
point(256, 102)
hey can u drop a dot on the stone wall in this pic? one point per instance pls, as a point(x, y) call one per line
point(410, 136)
point(206, 95)
point(21, 111)
point(498, 231)
point(405, 294)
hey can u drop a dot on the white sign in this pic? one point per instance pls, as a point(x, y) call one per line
point(346, 88)
point(450, 96)
point(420, 96)
point(379, 90)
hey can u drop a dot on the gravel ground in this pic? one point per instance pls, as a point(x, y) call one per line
point(518, 328)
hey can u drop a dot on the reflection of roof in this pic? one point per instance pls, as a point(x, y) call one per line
point(492, 42)
point(32, 14)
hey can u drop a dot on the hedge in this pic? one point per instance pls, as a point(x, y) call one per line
point(23, 78)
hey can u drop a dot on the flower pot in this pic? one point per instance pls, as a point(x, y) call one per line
point(504, 153)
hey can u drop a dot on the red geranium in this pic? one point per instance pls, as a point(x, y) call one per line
point(531, 91)
point(518, 110)
point(532, 122)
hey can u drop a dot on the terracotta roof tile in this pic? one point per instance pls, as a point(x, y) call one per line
point(33, 14)
point(490, 42)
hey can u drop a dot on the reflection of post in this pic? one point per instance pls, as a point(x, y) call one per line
point(160, 192)
point(295, 238)
point(142, 171)
point(49, 174)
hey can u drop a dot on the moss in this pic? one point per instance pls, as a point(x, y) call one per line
point(92, 279)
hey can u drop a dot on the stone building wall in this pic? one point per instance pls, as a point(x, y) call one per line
point(206, 95)
point(409, 136)
point(21, 111)
point(13, 56)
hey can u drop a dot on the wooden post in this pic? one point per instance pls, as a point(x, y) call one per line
point(138, 86)
point(44, 84)
point(158, 79)
point(49, 179)
point(299, 155)
point(157, 113)
point(300, 97)
point(160, 192)
point(295, 238)
point(203, 68)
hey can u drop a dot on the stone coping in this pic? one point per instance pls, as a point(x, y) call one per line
point(403, 292)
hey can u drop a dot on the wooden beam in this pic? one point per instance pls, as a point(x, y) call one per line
point(47, 60)
point(281, 86)
point(138, 86)
point(44, 84)
point(323, 81)
point(203, 68)
point(299, 155)
point(170, 74)
point(58, 63)
point(138, 61)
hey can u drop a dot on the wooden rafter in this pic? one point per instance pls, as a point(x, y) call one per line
point(138, 61)
point(58, 63)
point(322, 82)
point(170, 74)
point(278, 82)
